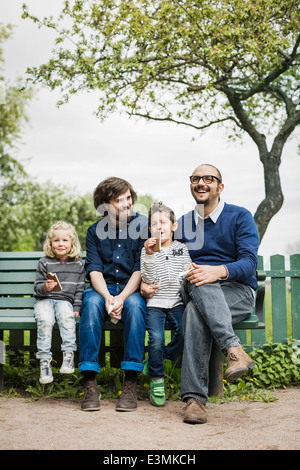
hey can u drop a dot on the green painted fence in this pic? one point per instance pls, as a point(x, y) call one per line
point(282, 303)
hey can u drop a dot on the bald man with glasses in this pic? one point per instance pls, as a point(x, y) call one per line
point(219, 291)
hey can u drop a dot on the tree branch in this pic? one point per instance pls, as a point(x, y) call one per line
point(245, 121)
point(273, 74)
point(211, 123)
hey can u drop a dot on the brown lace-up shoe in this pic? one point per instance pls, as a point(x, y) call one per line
point(238, 363)
point(128, 399)
point(91, 399)
point(194, 412)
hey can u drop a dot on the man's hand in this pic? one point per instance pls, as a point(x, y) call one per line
point(147, 290)
point(114, 306)
point(206, 274)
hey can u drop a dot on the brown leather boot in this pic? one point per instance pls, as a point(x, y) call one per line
point(91, 399)
point(238, 363)
point(128, 398)
point(195, 412)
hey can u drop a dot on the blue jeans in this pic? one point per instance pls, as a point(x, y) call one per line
point(157, 351)
point(210, 313)
point(46, 312)
point(92, 316)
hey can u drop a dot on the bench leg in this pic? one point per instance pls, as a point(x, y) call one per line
point(215, 385)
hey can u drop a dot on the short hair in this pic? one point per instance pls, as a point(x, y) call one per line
point(111, 188)
point(76, 249)
point(160, 207)
point(212, 166)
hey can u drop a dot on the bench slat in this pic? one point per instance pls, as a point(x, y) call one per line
point(16, 313)
point(16, 302)
point(18, 323)
point(21, 255)
point(17, 277)
point(19, 265)
point(16, 289)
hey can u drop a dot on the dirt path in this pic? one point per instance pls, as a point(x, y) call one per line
point(60, 424)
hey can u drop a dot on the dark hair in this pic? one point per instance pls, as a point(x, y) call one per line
point(160, 207)
point(111, 188)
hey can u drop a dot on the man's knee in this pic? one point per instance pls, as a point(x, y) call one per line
point(135, 303)
point(92, 304)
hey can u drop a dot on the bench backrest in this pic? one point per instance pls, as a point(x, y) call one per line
point(17, 277)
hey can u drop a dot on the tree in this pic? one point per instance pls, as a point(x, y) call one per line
point(13, 178)
point(28, 208)
point(194, 62)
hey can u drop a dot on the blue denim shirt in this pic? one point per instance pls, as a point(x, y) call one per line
point(115, 252)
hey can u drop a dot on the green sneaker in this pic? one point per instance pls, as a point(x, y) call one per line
point(145, 370)
point(157, 393)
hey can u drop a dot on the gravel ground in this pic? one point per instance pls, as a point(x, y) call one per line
point(49, 424)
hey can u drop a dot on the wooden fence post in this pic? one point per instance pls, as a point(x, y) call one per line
point(278, 289)
point(295, 286)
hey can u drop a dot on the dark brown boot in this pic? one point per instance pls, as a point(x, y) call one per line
point(238, 363)
point(128, 398)
point(91, 399)
point(195, 412)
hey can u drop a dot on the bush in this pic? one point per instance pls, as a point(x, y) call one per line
point(276, 365)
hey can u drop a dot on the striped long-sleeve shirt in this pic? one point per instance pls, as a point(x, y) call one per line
point(71, 275)
point(162, 268)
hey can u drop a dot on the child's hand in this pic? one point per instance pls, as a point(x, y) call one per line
point(149, 244)
point(50, 285)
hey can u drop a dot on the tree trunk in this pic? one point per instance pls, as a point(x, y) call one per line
point(270, 159)
point(273, 194)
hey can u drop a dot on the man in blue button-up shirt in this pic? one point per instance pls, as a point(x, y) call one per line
point(113, 248)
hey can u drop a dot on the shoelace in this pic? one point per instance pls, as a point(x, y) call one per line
point(46, 365)
point(233, 357)
point(129, 387)
point(89, 390)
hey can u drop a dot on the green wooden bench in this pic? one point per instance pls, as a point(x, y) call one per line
point(17, 276)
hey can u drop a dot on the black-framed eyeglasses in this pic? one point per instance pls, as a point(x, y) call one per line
point(207, 179)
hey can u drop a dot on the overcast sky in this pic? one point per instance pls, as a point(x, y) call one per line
point(68, 145)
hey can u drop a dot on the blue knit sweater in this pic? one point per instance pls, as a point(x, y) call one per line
point(232, 241)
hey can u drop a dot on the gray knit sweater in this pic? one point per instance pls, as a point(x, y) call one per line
point(71, 275)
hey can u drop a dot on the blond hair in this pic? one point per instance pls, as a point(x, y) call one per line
point(75, 251)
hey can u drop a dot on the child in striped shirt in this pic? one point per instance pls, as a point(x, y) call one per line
point(163, 268)
point(58, 301)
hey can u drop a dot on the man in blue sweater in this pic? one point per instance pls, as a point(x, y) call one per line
point(223, 242)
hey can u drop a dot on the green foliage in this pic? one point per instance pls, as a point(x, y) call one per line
point(177, 60)
point(143, 204)
point(29, 212)
point(27, 208)
point(276, 365)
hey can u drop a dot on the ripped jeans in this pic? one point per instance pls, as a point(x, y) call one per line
point(46, 313)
